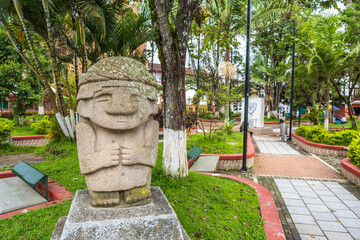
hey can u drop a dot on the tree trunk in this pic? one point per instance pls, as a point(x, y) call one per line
point(352, 114)
point(326, 117)
point(53, 60)
point(227, 84)
point(76, 71)
point(172, 52)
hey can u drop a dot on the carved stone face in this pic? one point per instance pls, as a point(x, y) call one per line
point(117, 108)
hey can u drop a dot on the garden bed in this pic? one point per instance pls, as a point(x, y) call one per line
point(318, 148)
point(229, 161)
point(350, 171)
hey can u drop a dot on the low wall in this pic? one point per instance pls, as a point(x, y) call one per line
point(234, 161)
point(295, 123)
point(350, 171)
point(36, 140)
point(318, 148)
point(262, 131)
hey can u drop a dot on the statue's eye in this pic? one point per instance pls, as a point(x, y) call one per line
point(103, 98)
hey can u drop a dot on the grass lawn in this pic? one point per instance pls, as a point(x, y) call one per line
point(347, 125)
point(207, 207)
point(227, 144)
point(23, 131)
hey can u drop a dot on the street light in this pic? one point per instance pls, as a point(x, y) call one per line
point(292, 81)
point(247, 71)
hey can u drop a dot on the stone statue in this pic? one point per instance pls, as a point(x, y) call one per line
point(117, 136)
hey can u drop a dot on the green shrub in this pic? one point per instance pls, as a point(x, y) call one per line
point(354, 152)
point(206, 115)
point(43, 126)
point(6, 126)
point(273, 117)
point(228, 128)
point(318, 134)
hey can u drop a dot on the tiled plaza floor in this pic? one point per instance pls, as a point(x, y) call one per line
point(320, 209)
point(274, 146)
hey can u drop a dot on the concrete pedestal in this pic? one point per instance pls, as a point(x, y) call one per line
point(156, 220)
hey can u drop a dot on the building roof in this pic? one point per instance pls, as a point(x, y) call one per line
point(157, 68)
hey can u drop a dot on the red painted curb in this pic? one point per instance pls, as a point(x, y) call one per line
point(19, 138)
point(346, 164)
point(191, 162)
point(272, 224)
point(250, 152)
point(287, 122)
point(339, 128)
point(319, 145)
point(56, 192)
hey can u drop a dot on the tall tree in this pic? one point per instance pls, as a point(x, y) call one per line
point(171, 29)
point(326, 50)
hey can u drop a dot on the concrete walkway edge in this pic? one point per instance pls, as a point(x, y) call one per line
point(272, 225)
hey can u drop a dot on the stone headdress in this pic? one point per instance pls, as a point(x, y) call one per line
point(117, 72)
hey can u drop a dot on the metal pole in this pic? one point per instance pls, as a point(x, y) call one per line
point(292, 82)
point(299, 115)
point(247, 71)
point(332, 111)
point(197, 81)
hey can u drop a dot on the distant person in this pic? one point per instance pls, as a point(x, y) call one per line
point(343, 120)
point(282, 118)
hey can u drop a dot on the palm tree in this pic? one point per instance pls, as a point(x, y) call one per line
point(326, 48)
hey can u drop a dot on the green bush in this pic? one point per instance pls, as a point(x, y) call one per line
point(354, 152)
point(6, 126)
point(273, 117)
point(228, 128)
point(42, 127)
point(318, 134)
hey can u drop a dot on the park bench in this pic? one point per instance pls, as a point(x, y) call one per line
point(194, 153)
point(32, 176)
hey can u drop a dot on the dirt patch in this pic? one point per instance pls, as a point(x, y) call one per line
point(12, 160)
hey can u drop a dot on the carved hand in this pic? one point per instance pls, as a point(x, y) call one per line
point(127, 156)
point(113, 156)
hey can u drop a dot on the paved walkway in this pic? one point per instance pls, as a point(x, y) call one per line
point(321, 209)
point(274, 146)
point(293, 166)
point(313, 199)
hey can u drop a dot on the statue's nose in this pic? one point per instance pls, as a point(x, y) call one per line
point(121, 104)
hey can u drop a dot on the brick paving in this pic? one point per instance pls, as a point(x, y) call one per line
point(293, 166)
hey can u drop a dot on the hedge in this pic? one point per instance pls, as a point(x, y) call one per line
point(354, 152)
point(318, 134)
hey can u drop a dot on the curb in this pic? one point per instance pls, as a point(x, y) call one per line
point(272, 224)
point(20, 138)
point(56, 192)
point(319, 145)
point(347, 165)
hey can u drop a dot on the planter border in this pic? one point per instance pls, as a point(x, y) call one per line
point(56, 192)
point(272, 224)
point(349, 166)
point(33, 137)
point(319, 145)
